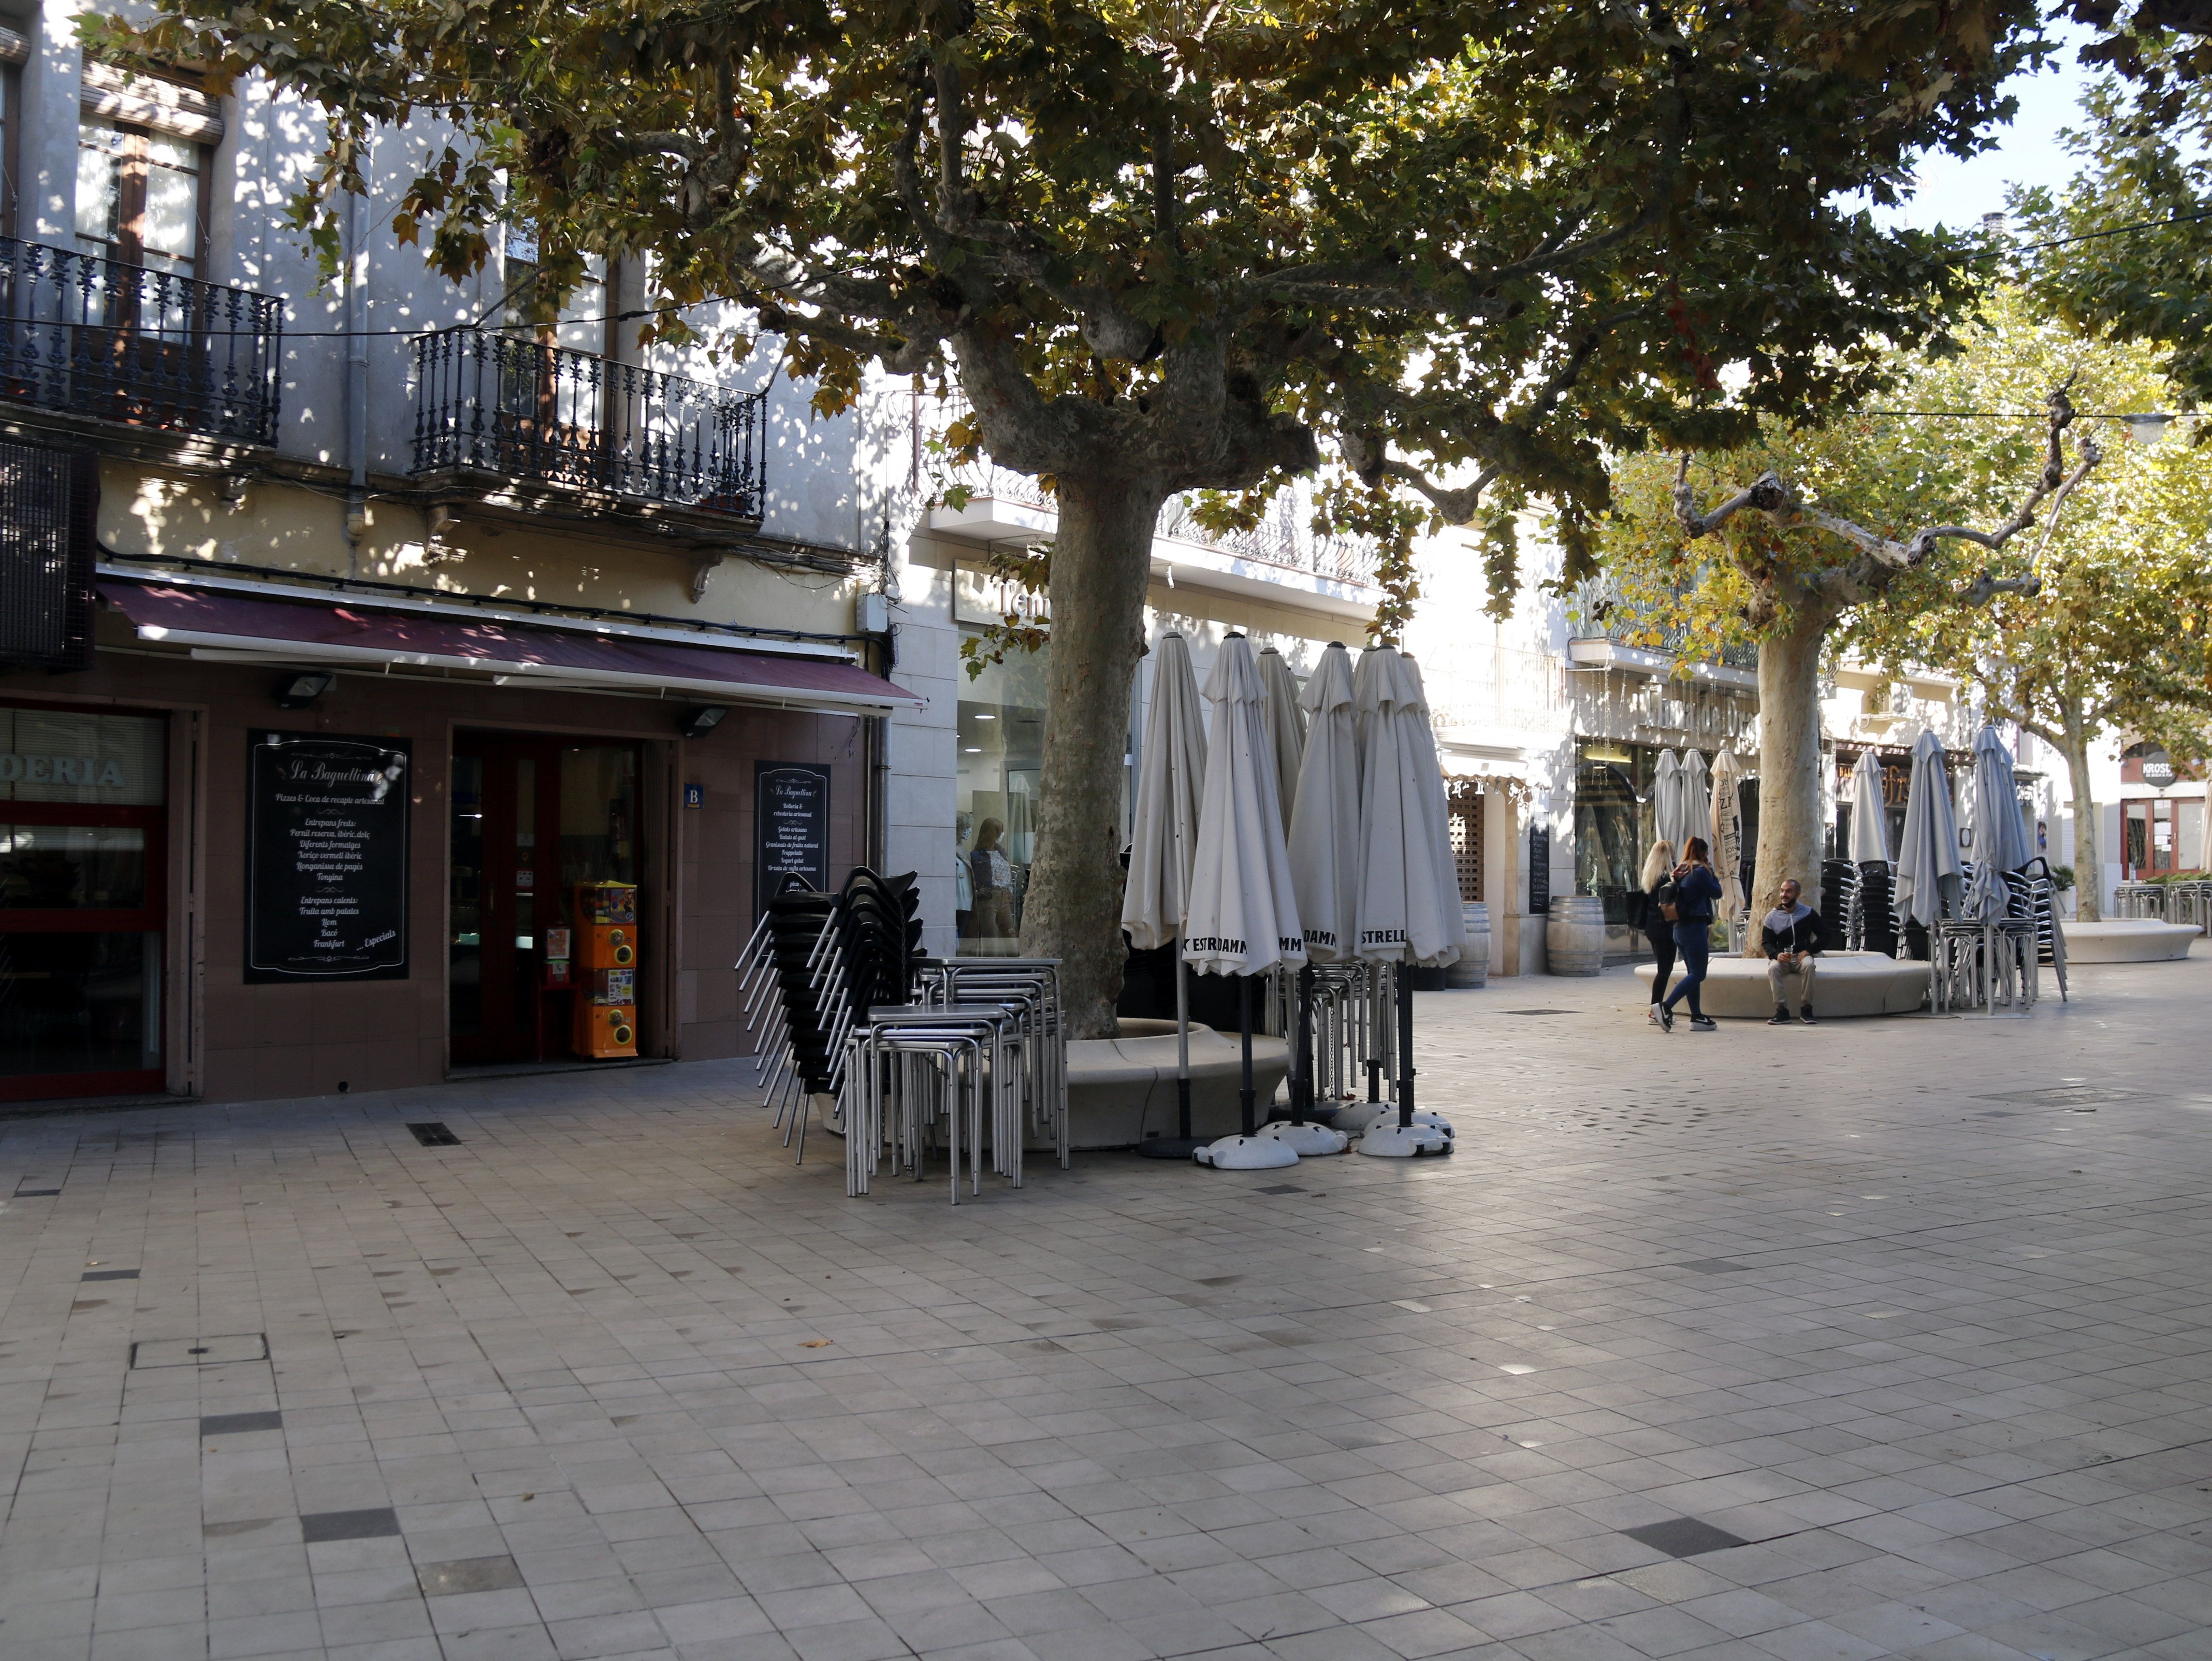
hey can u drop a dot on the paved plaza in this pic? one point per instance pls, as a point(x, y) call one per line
point(1878, 1338)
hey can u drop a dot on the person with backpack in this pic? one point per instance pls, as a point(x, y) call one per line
point(1690, 909)
point(1658, 873)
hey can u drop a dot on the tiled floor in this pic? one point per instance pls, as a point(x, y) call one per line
point(1907, 1353)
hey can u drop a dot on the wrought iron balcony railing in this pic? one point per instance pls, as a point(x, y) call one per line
point(1596, 610)
point(487, 403)
point(145, 347)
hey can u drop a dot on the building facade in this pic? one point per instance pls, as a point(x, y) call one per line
point(369, 642)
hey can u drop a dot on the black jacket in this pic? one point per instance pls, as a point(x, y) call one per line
point(1806, 934)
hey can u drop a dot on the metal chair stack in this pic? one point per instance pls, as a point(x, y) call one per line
point(2139, 899)
point(814, 964)
point(2192, 904)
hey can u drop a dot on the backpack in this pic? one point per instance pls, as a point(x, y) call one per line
point(1669, 896)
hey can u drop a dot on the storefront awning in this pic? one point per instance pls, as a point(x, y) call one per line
point(238, 627)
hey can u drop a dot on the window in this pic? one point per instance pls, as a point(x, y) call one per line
point(580, 321)
point(138, 195)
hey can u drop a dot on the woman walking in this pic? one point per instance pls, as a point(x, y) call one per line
point(1658, 872)
point(1696, 889)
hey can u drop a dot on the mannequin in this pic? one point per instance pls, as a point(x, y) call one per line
point(992, 876)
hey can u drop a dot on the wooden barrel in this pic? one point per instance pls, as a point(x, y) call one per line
point(1574, 936)
point(1472, 967)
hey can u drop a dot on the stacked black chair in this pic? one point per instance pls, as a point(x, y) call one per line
point(1877, 912)
point(1840, 892)
point(828, 958)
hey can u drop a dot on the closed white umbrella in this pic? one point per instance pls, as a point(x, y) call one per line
point(1436, 815)
point(1243, 916)
point(1697, 793)
point(1287, 725)
point(1163, 840)
point(1325, 812)
point(1927, 882)
point(1407, 884)
point(1727, 839)
point(2001, 842)
point(1869, 813)
point(1667, 817)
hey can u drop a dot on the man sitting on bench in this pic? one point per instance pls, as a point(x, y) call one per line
point(1791, 937)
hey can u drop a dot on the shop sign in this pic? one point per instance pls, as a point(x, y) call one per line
point(326, 858)
point(791, 827)
point(75, 756)
point(2157, 769)
point(985, 598)
point(1539, 869)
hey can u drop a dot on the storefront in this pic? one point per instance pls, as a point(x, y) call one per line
point(1616, 825)
point(268, 847)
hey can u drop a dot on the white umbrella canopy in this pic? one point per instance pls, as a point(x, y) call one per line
point(1869, 814)
point(1697, 793)
point(1436, 815)
point(1927, 880)
point(2001, 842)
point(1325, 812)
point(1408, 891)
point(1170, 775)
point(1409, 909)
point(1243, 916)
point(1727, 839)
point(1667, 817)
point(1287, 725)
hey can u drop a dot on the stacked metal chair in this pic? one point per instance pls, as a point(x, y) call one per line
point(814, 964)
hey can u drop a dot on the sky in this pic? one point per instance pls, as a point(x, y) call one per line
point(1958, 193)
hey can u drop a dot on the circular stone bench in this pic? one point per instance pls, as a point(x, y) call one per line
point(2127, 939)
point(1846, 983)
point(1121, 1089)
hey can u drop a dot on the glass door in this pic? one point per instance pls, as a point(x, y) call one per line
point(533, 817)
point(506, 832)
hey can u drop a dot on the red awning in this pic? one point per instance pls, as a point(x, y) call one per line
point(219, 622)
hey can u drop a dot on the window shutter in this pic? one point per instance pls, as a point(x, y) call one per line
point(146, 100)
point(48, 542)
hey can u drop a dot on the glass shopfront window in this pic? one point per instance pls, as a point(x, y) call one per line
point(81, 903)
point(1001, 757)
point(1614, 822)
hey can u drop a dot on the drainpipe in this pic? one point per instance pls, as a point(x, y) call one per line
point(356, 378)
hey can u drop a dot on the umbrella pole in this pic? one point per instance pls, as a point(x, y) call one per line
point(1183, 1046)
point(1301, 1070)
point(1374, 1032)
point(1405, 1047)
point(1246, 1094)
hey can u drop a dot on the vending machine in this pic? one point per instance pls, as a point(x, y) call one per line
point(606, 944)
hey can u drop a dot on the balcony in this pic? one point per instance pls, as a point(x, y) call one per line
point(490, 405)
point(109, 341)
point(1280, 559)
point(1607, 630)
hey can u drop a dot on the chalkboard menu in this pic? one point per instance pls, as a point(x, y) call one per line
point(326, 858)
point(1539, 869)
point(791, 826)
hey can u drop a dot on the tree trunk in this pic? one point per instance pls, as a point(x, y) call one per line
point(2088, 870)
point(1790, 828)
point(1101, 560)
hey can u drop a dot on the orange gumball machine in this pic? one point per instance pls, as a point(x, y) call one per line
point(605, 1022)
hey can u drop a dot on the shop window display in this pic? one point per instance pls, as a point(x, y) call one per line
point(1001, 726)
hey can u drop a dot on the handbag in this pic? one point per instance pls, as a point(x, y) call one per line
point(1669, 897)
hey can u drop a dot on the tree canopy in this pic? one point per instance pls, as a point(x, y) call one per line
point(1471, 246)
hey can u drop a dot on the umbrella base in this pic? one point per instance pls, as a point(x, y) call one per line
point(1393, 1141)
point(1169, 1147)
point(1247, 1153)
point(1306, 1140)
point(1378, 1114)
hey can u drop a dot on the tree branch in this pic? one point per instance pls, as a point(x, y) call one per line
point(1768, 496)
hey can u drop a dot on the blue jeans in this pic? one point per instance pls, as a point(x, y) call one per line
point(1694, 942)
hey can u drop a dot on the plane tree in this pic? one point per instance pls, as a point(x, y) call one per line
point(1164, 246)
